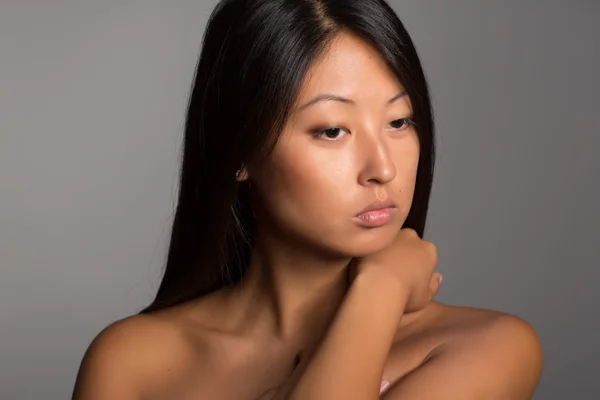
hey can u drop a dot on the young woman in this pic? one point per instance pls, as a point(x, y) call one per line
point(296, 268)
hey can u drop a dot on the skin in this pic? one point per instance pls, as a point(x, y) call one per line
point(296, 328)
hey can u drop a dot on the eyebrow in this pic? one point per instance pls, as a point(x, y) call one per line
point(333, 97)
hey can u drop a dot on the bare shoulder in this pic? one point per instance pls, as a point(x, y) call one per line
point(464, 324)
point(477, 353)
point(134, 356)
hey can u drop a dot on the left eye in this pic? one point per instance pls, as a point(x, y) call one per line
point(402, 123)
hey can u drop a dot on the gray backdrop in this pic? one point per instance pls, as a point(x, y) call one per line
point(92, 101)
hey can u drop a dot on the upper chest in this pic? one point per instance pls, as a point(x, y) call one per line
point(240, 369)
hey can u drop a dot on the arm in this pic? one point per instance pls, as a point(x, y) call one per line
point(349, 362)
point(500, 361)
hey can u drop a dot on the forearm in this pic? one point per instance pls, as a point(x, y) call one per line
point(350, 359)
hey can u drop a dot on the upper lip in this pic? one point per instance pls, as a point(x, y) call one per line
point(378, 205)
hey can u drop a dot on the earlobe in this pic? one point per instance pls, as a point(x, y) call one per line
point(241, 174)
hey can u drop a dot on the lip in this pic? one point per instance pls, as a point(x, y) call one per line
point(377, 205)
point(376, 214)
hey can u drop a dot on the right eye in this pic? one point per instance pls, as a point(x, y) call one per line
point(331, 134)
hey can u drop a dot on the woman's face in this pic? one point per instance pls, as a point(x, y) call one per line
point(315, 183)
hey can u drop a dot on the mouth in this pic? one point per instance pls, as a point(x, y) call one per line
point(377, 213)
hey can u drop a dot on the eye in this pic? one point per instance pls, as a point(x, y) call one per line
point(402, 123)
point(331, 134)
point(335, 133)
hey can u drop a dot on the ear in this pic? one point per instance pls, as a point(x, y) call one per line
point(241, 174)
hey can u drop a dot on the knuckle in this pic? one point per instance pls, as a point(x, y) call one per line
point(435, 254)
point(431, 247)
point(432, 250)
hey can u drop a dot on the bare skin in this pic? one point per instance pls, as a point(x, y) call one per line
point(245, 342)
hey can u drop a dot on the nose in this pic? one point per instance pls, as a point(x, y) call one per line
point(378, 166)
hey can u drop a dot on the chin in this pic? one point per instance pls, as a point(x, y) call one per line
point(369, 242)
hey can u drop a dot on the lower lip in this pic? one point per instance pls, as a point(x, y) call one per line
point(376, 218)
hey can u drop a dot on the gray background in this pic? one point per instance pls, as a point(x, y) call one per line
point(92, 102)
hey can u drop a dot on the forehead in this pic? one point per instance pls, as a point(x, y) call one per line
point(351, 66)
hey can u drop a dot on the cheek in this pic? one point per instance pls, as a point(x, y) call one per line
point(406, 163)
point(301, 189)
point(305, 193)
point(407, 184)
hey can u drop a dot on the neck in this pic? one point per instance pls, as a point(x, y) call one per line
point(291, 292)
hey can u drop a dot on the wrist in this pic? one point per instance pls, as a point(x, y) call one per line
point(382, 288)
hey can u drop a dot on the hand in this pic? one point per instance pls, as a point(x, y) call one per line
point(411, 262)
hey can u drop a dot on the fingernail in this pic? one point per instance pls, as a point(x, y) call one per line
point(384, 385)
point(440, 279)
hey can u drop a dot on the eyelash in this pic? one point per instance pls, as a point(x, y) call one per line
point(407, 122)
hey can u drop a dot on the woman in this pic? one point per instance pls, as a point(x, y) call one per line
point(297, 268)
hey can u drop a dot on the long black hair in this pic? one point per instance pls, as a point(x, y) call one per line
point(255, 55)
